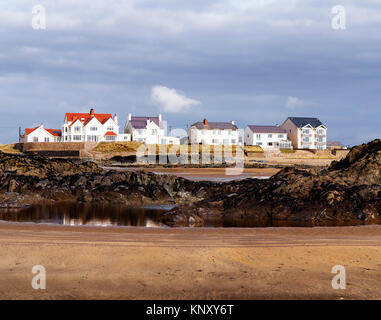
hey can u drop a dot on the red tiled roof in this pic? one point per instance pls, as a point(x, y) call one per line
point(267, 129)
point(53, 132)
point(110, 133)
point(28, 131)
point(102, 117)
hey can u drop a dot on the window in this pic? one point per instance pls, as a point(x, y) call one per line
point(270, 144)
point(154, 132)
point(35, 139)
point(92, 138)
point(110, 128)
point(214, 141)
point(306, 139)
point(306, 131)
point(65, 129)
point(320, 131)
point(110, 138)
point(233, 141)
point(125, 137)
point(77, 129)
point(226, 141)
point(140, 131)
point(319, 139)
point(269, 135)
point(162, 141)
point(93, 129)
point(259, 143)
point(219, 132)
point(46, 139)
point(258, 137)
point(77, 138)
point(280, 136)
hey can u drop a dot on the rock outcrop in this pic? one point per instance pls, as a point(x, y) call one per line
point(348, 192)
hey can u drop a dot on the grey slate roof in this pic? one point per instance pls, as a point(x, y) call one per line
point(301, 122)
point(215, 125)
point(267, 129)
point(334, 143)
point(141, 122)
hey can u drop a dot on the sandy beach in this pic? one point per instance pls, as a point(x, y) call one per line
point(143, 263)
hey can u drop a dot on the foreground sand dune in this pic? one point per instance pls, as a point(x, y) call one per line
point(137, 263)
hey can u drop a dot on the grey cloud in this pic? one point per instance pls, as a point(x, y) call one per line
point(246, 56)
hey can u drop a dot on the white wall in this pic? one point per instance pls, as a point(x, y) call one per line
point(93, 131)
point(41, 135)
point(213, 137)
point(149, 135)
point(265, 140)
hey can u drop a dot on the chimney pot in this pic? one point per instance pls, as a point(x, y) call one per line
point(205, 122)
point(91, 111)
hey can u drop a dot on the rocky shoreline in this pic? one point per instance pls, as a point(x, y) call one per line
point(347, 191)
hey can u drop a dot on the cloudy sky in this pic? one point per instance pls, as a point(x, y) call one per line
point(255, 62)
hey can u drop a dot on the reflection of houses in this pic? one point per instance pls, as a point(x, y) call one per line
point(214, 133)
point(306, 133)
point(40, 134)
point(149, 130)
point(94, 222)
point(268, 137)
point(79, 127)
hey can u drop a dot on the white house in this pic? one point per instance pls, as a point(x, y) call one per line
point(306, 133)
point(214, 133)
point(40, 134)
point(149, 130)
point(96, 127)
point(268, 137)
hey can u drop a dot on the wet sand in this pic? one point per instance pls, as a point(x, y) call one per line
point(143, 263)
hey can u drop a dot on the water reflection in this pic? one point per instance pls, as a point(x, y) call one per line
point(77, 214)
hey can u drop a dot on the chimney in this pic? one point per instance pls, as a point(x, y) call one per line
point(159, 116)
point(129, 117)
point(92, 112)
point(205, 122)
point(115, 118)
point(232, 122)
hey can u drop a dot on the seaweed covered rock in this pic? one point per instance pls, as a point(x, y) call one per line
point(41, 166)
point(362, 164)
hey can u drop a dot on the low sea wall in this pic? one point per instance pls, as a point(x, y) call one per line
point(55, 146)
